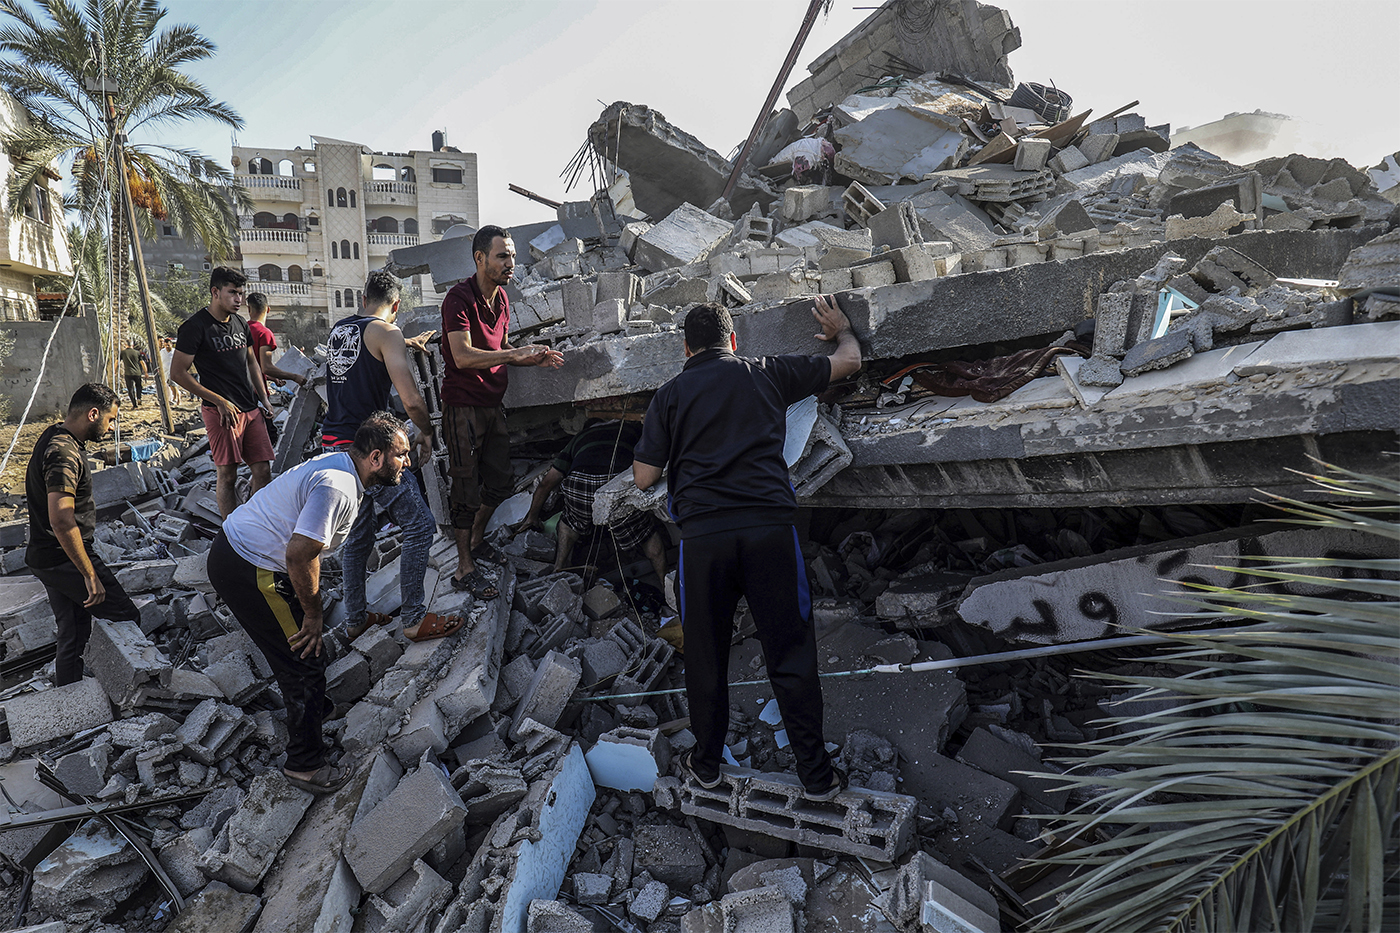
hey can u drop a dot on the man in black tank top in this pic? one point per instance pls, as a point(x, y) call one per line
point(367, 356)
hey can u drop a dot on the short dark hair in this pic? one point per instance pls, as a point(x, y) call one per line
point(224, 275)
point(382, 288)
point(707, 325)
point(257, 302)
point(481, 243)
point(376, 433)
point(92, 395)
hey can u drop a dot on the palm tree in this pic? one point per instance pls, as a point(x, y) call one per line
point(55, 65)
point(1267, 798)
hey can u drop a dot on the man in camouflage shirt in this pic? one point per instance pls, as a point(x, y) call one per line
point(62, 519)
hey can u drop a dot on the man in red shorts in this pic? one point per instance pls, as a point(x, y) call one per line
point(218, 342)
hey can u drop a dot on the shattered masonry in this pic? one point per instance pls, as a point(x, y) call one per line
point(1085, 351)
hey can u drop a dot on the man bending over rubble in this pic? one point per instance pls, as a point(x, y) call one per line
point(475, 354)
point(718, 430)
point(596, 454)
point(62, 519)
point(218, 342)
point(266, 565)
point(368, 355)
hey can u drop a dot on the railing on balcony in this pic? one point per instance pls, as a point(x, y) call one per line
point(392, 239)
point(271, 235)
point(270, 181)
point(295, 289)
point(393, 187)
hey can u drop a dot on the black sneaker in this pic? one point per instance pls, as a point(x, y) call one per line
point(688, 771)
point(839, 781)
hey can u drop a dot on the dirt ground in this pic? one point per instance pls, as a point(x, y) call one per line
point(137, 425)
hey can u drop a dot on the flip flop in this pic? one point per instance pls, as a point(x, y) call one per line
point(327, 778)
point(371, 620)
point(435, 626)
point(478, 584)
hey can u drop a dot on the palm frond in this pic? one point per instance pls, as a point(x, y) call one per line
point(1266, 797)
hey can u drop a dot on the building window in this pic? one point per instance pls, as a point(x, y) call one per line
point(442, 224)
point(264, 219)
point(386, 225)
point(317, 272)
point(352, 197)
point(344, 249)
point(312, 220)
point(356, 248)
point(447, 176)
point(330, 198)
point(208, 267)
point(308, 166)
point(335, 250)
point(294, 274)
point(41, 199)
point(407, 174)
point(264, 167)
point(349, 298)
point(410, 226)
point(269, 272)
point(290, 221)
point(340, 197)
point(167, 230)
point(359, 298)
point(337, 298)
point(285, 168)
point(383, 172)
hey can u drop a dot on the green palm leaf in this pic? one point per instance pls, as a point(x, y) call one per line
point(1266, 798)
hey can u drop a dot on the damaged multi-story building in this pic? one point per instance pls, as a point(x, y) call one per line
point(1088, 358)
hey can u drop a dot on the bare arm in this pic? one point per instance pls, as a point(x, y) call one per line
point(304, 569)
point(272, 372)
point(468, 357)
point(387, 343)
point(548, 483)
point(836, 327)
point(255, 375)
point(645, 475)
point(65, 527)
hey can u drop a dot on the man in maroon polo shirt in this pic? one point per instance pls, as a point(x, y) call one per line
point(475, 353)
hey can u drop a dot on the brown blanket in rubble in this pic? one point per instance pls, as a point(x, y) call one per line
point(986, 380)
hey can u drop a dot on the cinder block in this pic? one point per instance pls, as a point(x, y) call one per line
point(146, 576)
point(382, 845)
point(896, 227)
point(873, 274)
point(804, 202)
point(550, 689)
point(236, 677)
point(420, 892)
point(1098, 146)
point(866, 823)
point(1032, 154)
point(380, 649)
point(213, 731)
point(1068, 159)
point(650, 902)
point(122, 658)
point(608, 317)
point(765, 909)
point(669, 853)
point(629, 759)
point(250, 840)
point(347, 678)
point(34, 718)
point(913, 264)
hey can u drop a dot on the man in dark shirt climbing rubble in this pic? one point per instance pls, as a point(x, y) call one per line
point(718, 430)
point(596, 454)
point(475, 354)
point(62, 519)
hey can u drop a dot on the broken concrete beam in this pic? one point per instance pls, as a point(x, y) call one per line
point(217, 908)
point(550, 689)
point(865, 823)
point(384, 844)
point(898, 142)
point(87, 876)
point(1376, 264)
point(146, 576)
point(245, 847)
point(687, 235)
point(122, 659)
point(1086, 598)
point(296, 432)
point(35, 718)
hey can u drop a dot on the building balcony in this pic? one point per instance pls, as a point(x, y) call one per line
point(271, 187)
point(391, 192)
point(264, 240)
point(277, 289)
point(388, 241)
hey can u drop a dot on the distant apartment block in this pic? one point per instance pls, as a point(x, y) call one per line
point(34, 243)
point(324, 217)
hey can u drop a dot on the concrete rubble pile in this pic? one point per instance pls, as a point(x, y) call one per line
point(1084, 349)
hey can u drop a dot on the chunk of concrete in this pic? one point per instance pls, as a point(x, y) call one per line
point(550, 689)
point(1374, 265)
point(122, 658)
point(448, 261)
point(554, 917)
point(669, 853)
point(419, 893)
point(40, 717)
point(87, 876)
point(422, 809)
point(217, 908)
point(686, 235)
point(758, 910)
point(245, 847)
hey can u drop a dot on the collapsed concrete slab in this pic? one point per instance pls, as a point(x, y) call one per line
point(34, 718)
point(422, 809)
point(88, 875)
point(245, 847)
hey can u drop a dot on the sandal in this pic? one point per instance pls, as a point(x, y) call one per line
point(486, 552)
point(371, 620)
point(478, 584)
point(435, 626)
point(327, 778)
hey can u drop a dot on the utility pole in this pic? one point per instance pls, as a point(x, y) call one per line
point(117, 140)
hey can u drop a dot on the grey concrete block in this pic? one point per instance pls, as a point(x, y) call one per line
point(122, 658)
point(448, 261)
point(758, 910)
point(686, 235)
point(236, 677)
point(35, 718)
point(591, 888)
point(383, 845)
point(85, 771)
point(420, 892)
point(669, 853)
point(550, 689)
point(347, 678)
point(138, 730)
point(554, 917)
point(1032, 154)
point(88, 875)
point(1068, 159)
point(180, 859)
point(896, 227)
point(1157, 353)
point(245, 847)
point(213, 730)
point(217, 909)
point(378, 645)
point(146, 576)
point(115, 485)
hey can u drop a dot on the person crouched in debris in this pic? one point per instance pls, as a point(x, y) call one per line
point(367, 355)
point(266, 566)
point(718, 430)
point(62, 520)
point(595, 455)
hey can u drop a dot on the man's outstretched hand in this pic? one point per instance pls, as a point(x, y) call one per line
point(832, 319)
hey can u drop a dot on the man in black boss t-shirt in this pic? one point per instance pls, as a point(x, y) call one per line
point(218, 342)
point(718, 429)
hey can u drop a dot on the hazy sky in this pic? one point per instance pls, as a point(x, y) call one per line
point(519, 83)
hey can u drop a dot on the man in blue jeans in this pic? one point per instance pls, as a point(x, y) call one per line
point(367, 355)
point(718, 429)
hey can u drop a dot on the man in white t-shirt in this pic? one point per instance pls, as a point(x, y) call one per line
point(167, 353)
point(266, 565)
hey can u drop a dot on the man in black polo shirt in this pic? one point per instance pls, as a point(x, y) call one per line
point(62, 519)
point(718, 429)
